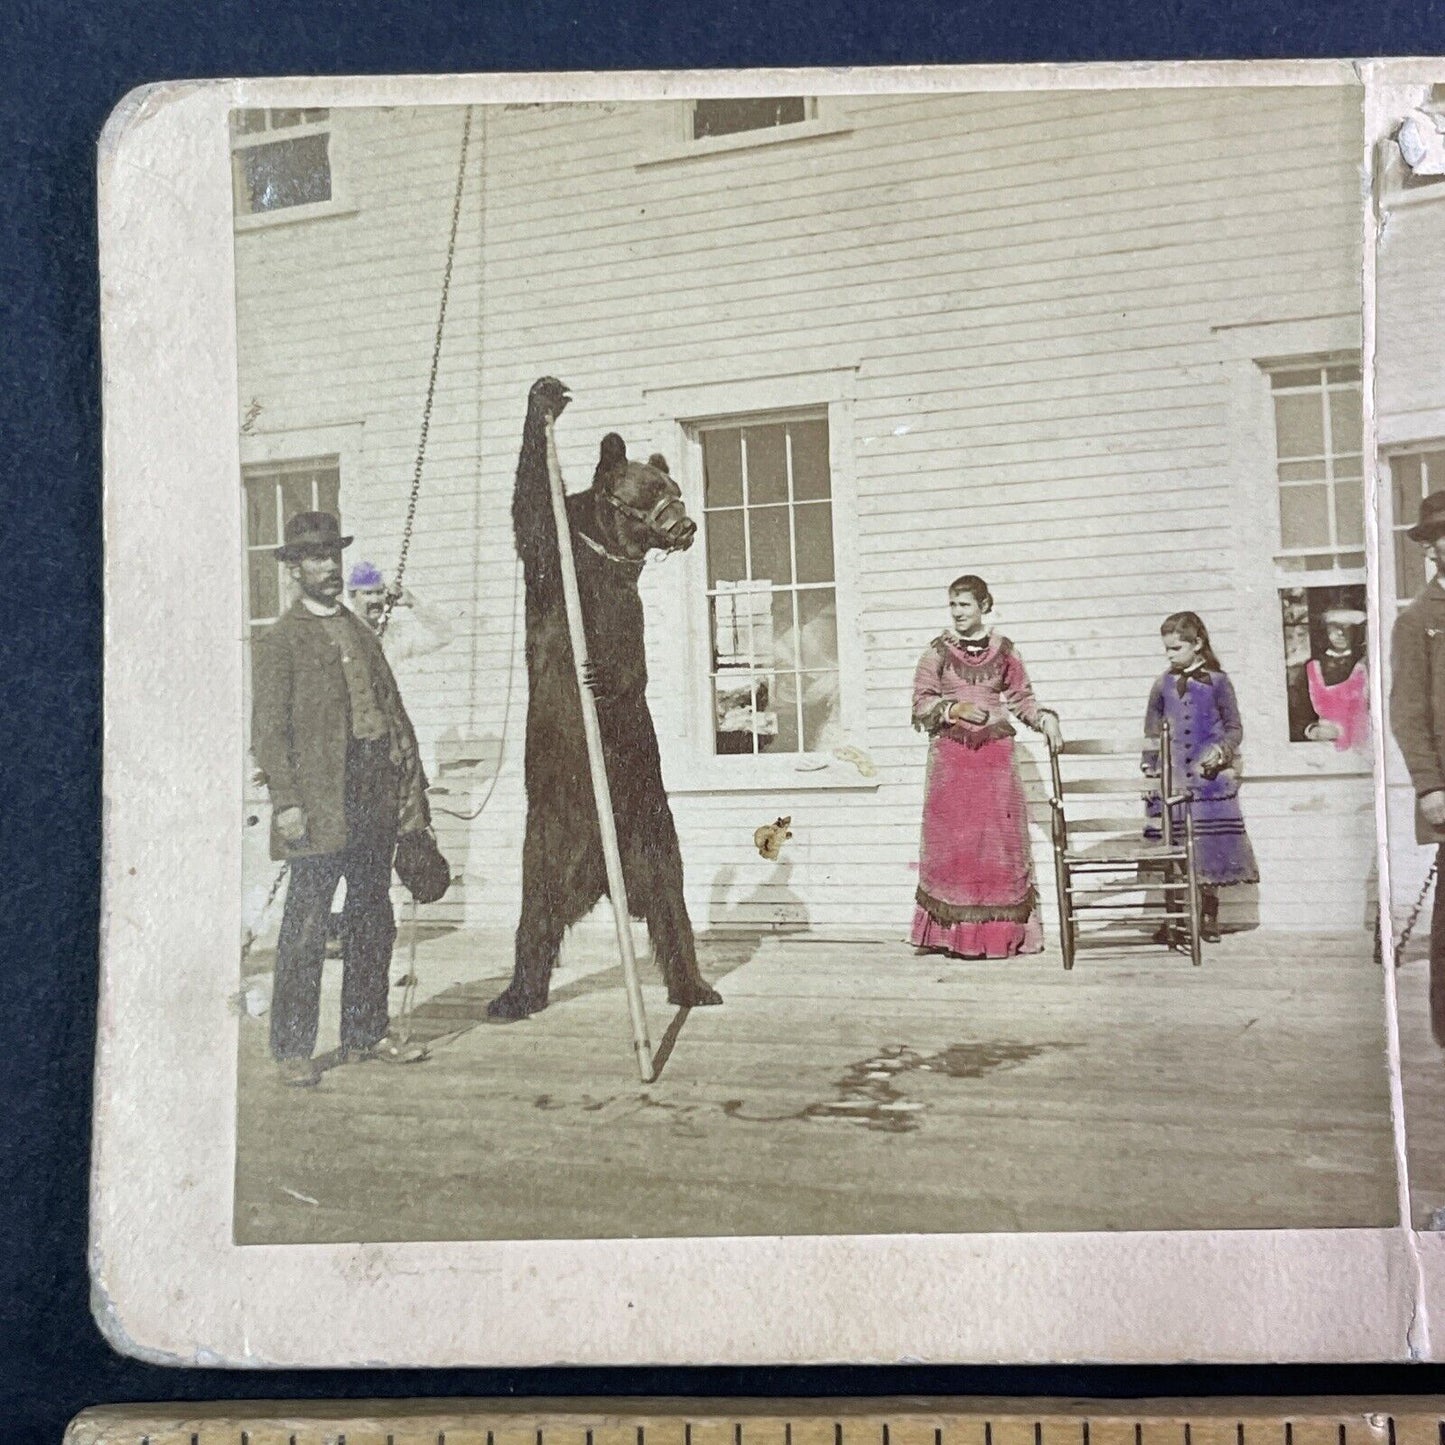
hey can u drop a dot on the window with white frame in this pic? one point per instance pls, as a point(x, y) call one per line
point(276, 492)
point(1320, 563)
point(280, 160)
point(767, 521)
point(1319, 442)
point(1414, 474)
point(729, 116)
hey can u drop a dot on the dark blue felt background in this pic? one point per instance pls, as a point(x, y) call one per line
point(62, 66)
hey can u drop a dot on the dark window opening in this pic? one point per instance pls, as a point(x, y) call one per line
point(731, 117)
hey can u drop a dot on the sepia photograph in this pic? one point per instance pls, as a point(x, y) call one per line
point(789, 726)
point(929, 790)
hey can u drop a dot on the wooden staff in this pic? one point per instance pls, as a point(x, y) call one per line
point(606, 819)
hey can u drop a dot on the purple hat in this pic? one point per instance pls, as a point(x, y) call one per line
point(364, 576)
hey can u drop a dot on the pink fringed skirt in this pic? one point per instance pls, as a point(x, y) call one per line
point(976, 894)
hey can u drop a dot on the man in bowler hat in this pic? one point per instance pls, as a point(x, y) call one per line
point(1417, 718)
point(339, 757)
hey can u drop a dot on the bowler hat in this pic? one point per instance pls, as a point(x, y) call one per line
point(1432, 519)
point(314, 531)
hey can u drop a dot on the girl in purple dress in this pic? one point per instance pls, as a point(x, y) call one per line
point(1196, 699)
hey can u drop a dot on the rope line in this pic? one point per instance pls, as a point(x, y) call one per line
point(409, 525)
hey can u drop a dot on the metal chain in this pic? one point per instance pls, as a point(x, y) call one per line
point(1414, 915)
point(394, 592)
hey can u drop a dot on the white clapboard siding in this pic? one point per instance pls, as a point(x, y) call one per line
point(1023, 288)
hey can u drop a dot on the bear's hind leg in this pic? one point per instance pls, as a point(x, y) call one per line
point(673, 946)
point(538, 946)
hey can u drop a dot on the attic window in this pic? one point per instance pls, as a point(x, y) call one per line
point(732, 116)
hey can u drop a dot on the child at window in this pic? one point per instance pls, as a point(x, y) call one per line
point(1196, 699)
point(1339, 686)
point(976, 896)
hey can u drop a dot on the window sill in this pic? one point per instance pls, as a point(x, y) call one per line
point(767, 775)
point(291, 215)
point(694, 150)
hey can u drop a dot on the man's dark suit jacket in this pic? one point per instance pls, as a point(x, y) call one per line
point(301, 728)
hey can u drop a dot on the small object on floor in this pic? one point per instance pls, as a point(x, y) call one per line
point(299, 1073)
point(388, 1050)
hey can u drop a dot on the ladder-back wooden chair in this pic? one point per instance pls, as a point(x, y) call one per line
point(1113, 853)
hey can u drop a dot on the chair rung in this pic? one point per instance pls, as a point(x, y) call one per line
point(1102, 747)
point(1127, 787)
point(1138, 915)
point(1111, 862)
point(1134, 825)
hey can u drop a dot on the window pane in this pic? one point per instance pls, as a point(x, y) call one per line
point(1349, 515)
point(767, 464)
point(728, 117)
point(785, 640)
point(1348, 466)
point(282, 118)
point(1405, 483)
point(1433, 471)
point(743, 630)
point(814, 523)
point(818, 624)
point(1409, 566)
point(771, 549)
point(1346, 422)
point(1313, 471)
point(722, 468)
point(1304, 376)
point(248, 122)
point(315, 114)
point(821, 729)
point(739, 712)
point(1299, 425)
point(285, 173)
point(264, 595)
point(724, 547)
point(1343, 373)
point(261, 511)
point(1304, 516)
point(783, 702)
point(328, 491)
point(295, 494)
point(810, 460)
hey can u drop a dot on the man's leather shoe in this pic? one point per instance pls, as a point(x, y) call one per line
point(388, 1050)
point(299, 1073)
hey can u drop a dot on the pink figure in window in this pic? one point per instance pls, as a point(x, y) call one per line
point(1339, 683)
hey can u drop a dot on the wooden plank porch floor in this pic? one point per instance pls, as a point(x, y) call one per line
point(846, 1088)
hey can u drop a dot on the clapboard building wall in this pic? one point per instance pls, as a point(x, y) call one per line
point(1032, 336)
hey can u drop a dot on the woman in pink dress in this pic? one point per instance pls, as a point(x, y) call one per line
point(976, 894)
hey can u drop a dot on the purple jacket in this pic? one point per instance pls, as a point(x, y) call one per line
point(1205, 717)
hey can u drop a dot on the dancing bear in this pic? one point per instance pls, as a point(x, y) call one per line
point(629, 510)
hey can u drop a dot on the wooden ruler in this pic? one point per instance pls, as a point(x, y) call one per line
point(977, 1421)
